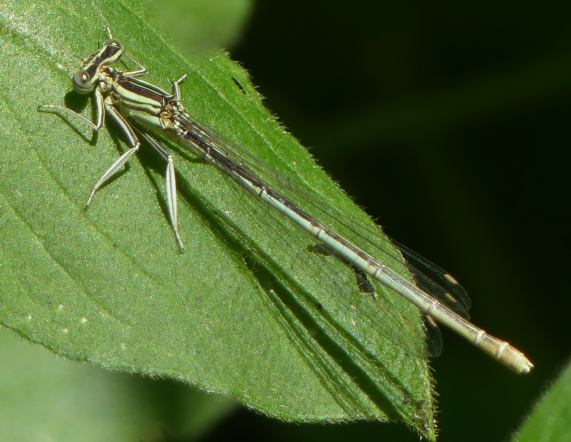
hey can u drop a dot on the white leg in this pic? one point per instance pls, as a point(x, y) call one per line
point(117, 165)
point(170, 184)
point(176, 87)
point(108, 32)
point(137, 73)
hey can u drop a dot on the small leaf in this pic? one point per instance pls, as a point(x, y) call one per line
point(550, 418)
point(199, 23)
point(250, 310)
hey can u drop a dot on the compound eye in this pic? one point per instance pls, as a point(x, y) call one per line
point(82, 82)
point(81, 78)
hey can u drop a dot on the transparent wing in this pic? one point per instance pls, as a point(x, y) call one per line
point(430, 277)
point(366, 235)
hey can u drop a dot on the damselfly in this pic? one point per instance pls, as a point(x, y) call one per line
point(140, 108)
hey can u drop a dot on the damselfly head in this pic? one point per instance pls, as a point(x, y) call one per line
point(85, 80)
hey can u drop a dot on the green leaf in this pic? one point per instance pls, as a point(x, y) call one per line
point(549, 420)
point(49, 398)
point(250, 310)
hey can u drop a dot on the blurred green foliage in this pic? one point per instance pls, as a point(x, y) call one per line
point(51, 398)
point(549, 420)
point(200, 24)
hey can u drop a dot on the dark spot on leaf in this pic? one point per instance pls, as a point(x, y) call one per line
point(319, 249)
point(239, 85)
point(365, 286)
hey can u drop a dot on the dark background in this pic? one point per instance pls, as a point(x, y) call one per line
point(449, 123)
